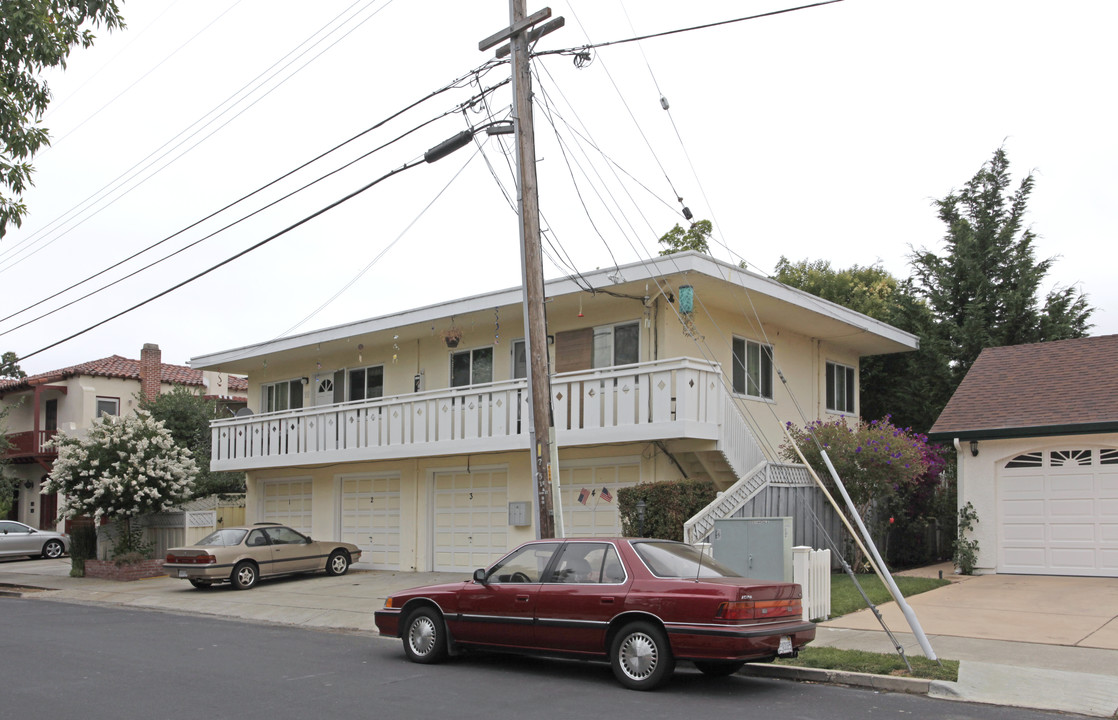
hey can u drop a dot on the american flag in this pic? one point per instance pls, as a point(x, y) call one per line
point(584, 496)
point(606, 495)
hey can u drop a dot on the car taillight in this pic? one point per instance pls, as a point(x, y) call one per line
point(740, 610)
point(759, 609)
point(191, 559)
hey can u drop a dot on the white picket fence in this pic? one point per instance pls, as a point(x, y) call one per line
point(812, 570)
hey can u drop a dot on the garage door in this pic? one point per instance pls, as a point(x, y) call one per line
point(370, 518)
point(287, 502)
point(471, 519)
point(1058, 513)
point(590, 496)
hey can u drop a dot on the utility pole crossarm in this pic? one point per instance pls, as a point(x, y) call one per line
point(515, 29)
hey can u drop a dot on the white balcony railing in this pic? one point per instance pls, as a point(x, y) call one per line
point(681, 398)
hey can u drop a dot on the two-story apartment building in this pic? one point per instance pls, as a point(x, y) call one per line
point(71, 399)
point(407, 434)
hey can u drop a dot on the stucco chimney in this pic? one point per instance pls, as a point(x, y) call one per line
point(151, 370)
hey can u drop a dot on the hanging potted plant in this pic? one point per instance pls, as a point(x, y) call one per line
point(451, 336)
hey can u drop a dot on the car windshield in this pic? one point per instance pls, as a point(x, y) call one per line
point(677, 560)
point(225, 537)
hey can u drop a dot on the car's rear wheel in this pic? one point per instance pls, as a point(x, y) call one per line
point(53, 549)
point(244, 575)
point(640, 656)
point(338, 563)
point(719, 668)
point(201, 584)
point(425, 636)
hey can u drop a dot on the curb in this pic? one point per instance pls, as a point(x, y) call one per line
point(884, 683)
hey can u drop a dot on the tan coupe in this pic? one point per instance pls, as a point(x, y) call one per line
point(242, 555)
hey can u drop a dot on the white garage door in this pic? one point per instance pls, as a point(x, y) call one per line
point(287, 502)
point(370, 518)
point(590, 495)
point(1058, 513)
point(471, 518)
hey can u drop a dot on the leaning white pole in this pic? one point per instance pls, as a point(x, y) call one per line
point(885, 574)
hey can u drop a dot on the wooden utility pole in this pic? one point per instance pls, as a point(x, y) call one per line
point(531, 257)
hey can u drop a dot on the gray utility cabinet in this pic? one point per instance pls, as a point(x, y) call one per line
point(754, 547)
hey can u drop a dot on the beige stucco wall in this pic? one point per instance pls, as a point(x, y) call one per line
point(416, 514)
point(77, 410)
point(802, 359)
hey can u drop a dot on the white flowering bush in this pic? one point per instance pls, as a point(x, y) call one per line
point(124, 467)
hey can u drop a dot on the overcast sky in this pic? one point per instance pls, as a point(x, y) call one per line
point(822, 134)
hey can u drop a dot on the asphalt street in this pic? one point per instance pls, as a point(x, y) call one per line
point(76, 660)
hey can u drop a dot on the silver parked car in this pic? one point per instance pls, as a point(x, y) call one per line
point(19, 539)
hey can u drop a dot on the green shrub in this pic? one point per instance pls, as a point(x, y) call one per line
point(667, 506)
point(83, 545)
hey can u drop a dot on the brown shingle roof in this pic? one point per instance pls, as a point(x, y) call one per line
point(124, 368)
point(1057, 385)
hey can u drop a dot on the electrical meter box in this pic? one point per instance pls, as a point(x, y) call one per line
point(758, 548)
point(518, 514)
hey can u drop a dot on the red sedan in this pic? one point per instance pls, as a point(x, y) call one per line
point(640, 604)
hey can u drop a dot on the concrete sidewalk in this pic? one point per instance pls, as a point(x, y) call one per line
point(1038, 642)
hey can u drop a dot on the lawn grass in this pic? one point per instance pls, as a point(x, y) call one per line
point(845, 598)
point(830, 658)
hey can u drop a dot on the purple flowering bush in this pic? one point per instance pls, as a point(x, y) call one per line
point(881, 465)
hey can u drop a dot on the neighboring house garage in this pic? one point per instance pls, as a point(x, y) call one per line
point(1035, 429)
point(1058, 512)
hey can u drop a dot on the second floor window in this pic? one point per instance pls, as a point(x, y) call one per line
point(471, 367)
point(753, 369)
point(285, 395)
point(519, 360)
point(366, 383)
point(840, 388)
point(616, 344)
point(108, 406)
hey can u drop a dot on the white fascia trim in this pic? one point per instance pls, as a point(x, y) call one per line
point(646, 271)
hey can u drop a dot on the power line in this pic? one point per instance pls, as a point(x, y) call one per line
point(449, 86)
point(137, 81)
point(254, 84)
point(577, 50)
point(262, 243)
point(216, 232)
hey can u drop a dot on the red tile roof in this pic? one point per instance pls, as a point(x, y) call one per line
point(1065, 386)
point(118, 367)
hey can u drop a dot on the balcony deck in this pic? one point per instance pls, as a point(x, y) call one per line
point(30, 445)
point(667, 399)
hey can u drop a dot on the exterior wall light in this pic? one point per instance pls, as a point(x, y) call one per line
point(974, 448)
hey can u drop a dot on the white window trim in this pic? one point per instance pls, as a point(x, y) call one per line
point(826, 376)
point(349, 379)
point(471, 351)
point(287, 383)
point(772, 370)
point(611, 328)
point(107, 399)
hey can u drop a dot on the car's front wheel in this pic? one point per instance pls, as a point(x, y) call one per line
point(244, 575)
point(719, 668)
point(640, 656)
point(425, 636)
point(338, 563)
point(53, 549)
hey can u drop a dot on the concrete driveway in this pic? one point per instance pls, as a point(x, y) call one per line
point(1069, 611)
